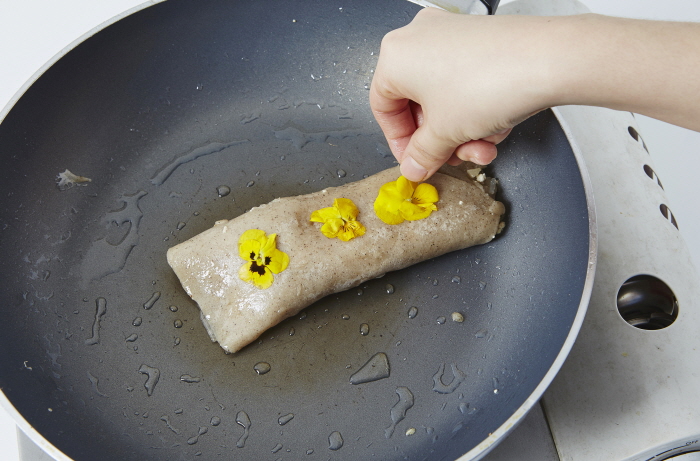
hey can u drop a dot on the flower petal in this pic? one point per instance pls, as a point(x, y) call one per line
point(346, 208)
point(387, 216)
point(325, 214)
point(351, 230)
point(332, 227)
point(252, 234)
point(404, 187)
point(412, 212)
point(260, 278)
point(425, 193)
point(277, 261)
point(249, 249)
point(389, 198)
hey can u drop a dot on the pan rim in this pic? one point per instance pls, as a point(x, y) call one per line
point(511, 423)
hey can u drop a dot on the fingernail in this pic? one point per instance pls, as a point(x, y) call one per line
point(412, 170)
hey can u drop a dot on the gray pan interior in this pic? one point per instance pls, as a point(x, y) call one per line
point(268, 99)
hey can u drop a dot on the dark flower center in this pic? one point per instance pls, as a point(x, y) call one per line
point(258, 269)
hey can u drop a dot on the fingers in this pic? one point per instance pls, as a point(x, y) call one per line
point(481, 151)
point(394, 115)
point(425, 154)
point(478, 151)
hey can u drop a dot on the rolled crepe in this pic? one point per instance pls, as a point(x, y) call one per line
point(236, 312)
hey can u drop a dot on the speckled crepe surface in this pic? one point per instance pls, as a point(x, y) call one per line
point(238, 312)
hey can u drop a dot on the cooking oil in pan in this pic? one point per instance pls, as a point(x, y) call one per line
point(192, 440)
point(335, 441)
point(243, 420)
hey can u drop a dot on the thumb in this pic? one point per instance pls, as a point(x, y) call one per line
point(425, 154)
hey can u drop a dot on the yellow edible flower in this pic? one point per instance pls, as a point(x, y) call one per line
point(405, 200)
point(340, 220)
point(263, 258)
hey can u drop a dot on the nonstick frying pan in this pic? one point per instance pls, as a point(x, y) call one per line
point(189, 112)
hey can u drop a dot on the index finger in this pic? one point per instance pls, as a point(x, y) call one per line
point(394, 116)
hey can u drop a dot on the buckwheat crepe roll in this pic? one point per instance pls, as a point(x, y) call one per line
point(235, 312)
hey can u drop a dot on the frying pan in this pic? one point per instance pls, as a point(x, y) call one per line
point(189, 112)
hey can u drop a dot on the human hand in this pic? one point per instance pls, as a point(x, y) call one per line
point(449, 87)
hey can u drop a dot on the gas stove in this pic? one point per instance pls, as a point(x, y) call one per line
point(628, 390)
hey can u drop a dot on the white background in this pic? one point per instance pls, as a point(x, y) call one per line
point(34, 32)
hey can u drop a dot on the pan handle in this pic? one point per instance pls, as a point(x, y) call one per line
point(482, 7)
point(490, 5)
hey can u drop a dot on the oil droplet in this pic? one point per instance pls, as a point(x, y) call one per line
point(132, 338)
point(441, 320)
point(457, 317)
point(463, 408)
point(341, 173)
point(215, 421)
point(137, 322)
point(223, 191)
point(177, 341)
point(95, 382)
point(173, 308)
point(282, 420)
point(101, 308)
point(399, 410)
point(250, 184)
point(189, 379)
point(359, 292)
point(456, 279)
point(335, 441)
point(435, 282)
point(277, 448)
point(364, 329)
point(152, 300)
point(482, 285)
point(192, 440)
point(153, 377)
point(457, 377)
point(389, 288)
point(376, 368)
point(345, 317)
point(243, 420)
point(165, 419)
point(292, 331)
point(181, 225)
point(481, 333)
point(262, 367)
point(177, 323)
point(412, 312)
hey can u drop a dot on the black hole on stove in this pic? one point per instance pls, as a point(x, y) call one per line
point(647, 303)
point(637, 137)
point(666, 212)
point(633, 133)
point(652, 174)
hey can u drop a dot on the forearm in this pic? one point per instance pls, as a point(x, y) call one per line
point(646, 67)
